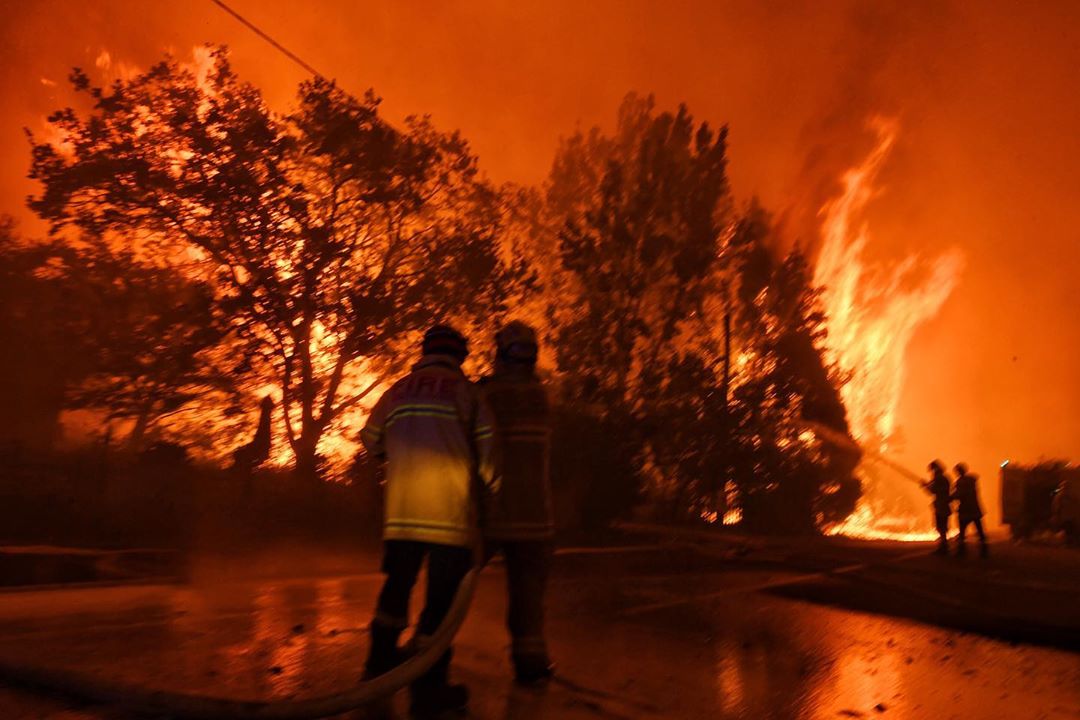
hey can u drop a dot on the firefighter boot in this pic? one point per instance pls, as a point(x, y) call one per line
point(432, 696)
point(531, 663)
point(533, 672)
point(431, 701)
point(384, 654)
point(984, 550)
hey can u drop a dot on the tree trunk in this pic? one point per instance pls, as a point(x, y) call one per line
point(307, 455)
point(138, 432)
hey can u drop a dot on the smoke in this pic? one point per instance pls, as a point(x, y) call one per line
point(838, 132)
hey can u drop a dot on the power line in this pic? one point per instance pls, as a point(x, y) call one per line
point(288, 53)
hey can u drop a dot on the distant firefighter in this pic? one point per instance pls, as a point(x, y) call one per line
point(247, 458)
point(968, 509)
point(520, 520)
point(436, 434)
point(938, 486)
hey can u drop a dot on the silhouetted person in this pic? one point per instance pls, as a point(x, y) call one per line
point(968, 509)
point(938, 486)
point(247, 458)
point(258, 450)
point(519, 523)
point(435, 433)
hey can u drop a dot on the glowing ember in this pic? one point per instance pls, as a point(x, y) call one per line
point(873, 313)
point(868, 524)
point(733, 516)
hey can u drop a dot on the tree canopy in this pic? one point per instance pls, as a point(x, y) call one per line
point(327, 233)
point(230, 247)
point(677, 324)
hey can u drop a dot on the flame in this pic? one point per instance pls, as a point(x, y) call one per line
point(206, 429)
point(114, 70)
point(870, 523)
point(732, 516)
point(872, 314)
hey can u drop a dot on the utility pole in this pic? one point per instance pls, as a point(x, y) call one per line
point(727, 353)
point(721, 498)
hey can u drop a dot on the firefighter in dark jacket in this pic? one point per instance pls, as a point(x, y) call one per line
point(436, 434)
point(519, 521)
point(938, 486)
point(968, 510)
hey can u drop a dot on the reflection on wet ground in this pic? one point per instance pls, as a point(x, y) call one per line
point(735, 655)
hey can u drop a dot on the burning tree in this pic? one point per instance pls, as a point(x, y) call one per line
point(792, 451)
point(660, 277)
point(101, 330)
point(151, 336)
point(326, 233)
point(639, 219)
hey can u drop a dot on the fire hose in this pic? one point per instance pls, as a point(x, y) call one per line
point(181, 705)
point(841, 440)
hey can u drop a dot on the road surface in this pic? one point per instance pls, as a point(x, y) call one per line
point(636, 632)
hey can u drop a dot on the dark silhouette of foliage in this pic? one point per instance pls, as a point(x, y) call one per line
point(639, 218)
point(99, 330)
point(785, 477)
point(654, 257)
point(152, 338)
point(327, 234)
point(43, 352)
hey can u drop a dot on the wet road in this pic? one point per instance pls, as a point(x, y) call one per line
point(636, 634)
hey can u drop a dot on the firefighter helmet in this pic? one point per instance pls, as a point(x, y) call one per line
point(516, 342)
point(445, 340)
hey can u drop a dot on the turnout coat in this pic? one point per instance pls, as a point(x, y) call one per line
point(521, 509)
point(437, 436)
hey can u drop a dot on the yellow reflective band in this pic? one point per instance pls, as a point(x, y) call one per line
point(450, 410)
point(416, 410)
point(421, 413)
point(424, 406)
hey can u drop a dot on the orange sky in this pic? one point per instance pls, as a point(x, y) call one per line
point(988, 157)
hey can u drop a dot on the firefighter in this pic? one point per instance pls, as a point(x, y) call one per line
point(520, 522)
point(938, 486)
point(968, 510)
point(436, 435)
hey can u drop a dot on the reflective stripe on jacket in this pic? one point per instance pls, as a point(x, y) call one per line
point(521, 509)
point(436, 435)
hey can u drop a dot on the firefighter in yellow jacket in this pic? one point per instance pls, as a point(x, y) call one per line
point(519, 521)
point(435, 433)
